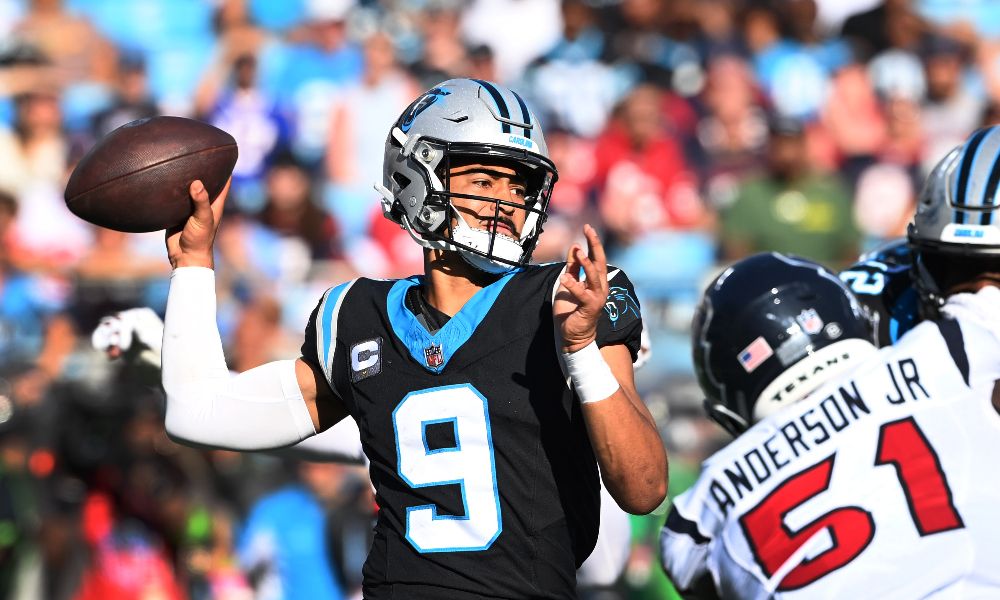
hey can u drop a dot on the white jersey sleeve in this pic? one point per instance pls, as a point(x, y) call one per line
point(881, 484)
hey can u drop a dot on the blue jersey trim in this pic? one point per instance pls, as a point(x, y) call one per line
point(327, 318)
point(456, 331)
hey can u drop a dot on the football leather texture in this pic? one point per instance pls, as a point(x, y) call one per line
point(137, 177)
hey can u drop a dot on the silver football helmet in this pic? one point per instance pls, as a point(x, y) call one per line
point(465, 118)
point(958, 215)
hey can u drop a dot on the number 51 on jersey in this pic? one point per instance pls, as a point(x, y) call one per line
point(901, 444)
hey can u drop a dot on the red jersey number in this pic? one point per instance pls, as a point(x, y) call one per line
point(773, 543)
point(901, 444)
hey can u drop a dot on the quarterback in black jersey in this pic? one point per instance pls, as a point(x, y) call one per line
point(492, 396)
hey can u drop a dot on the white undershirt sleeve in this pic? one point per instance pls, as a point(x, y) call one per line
point(260, 409)
point(340, 443)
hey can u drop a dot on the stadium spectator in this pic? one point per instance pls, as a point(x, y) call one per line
point(853, 121)
point(482, 63)
point(291, 211)
point(255, 122)
point(77, 50)
point(951, 112)
point(890, 24)
point(131, 100)
point(237, 36)
point(354, 156)
point(795, 71)
point(643, 181)
point(284, 545)
point(537, 23)
point(791, 208)
point(444, 53)
point(731, 135)
point(320, 61)
point(34, 149)
point(569, 84)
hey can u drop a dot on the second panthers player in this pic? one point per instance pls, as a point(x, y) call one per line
point(890, 279)
point(487, 391)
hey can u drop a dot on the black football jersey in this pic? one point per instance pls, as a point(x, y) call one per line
point(882, 282)
point(485, 478)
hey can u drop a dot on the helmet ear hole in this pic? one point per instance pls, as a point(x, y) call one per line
point(401, 180)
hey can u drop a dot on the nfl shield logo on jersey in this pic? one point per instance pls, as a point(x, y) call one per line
point(434, 356)
point(810, 321)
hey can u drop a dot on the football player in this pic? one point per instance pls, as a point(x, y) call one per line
point(487, 391)
point(883, 282)
point(875, 484)
point(136, 335)
point(884, 278)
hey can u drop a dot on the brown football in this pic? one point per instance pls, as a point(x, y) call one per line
point(137, 177)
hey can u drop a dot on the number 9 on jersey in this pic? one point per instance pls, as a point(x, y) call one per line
point(470, 464)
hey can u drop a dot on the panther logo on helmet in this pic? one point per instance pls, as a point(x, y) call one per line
point(420, 105)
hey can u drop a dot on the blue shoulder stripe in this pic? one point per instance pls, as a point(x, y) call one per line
point(326, 328)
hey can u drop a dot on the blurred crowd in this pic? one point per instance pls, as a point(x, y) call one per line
point(691, 132)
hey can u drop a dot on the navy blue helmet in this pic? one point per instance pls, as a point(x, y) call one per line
point(768, 331)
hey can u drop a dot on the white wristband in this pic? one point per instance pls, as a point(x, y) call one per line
point(592, 377)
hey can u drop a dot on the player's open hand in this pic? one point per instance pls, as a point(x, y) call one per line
point(578, 304)
point(191, 244)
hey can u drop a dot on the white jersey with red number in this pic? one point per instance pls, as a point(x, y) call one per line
point(884, 483)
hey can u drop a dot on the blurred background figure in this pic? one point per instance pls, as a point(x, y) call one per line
point(951, 111)
point(284, 546)
point(688, 132)
point(131, 98)
point(354, 156)
point(791, 208)
point(254, 121)
point(641, 173)
point(33, 149)
point(444, 51)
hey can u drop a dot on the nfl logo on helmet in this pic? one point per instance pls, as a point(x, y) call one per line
point(810, 322)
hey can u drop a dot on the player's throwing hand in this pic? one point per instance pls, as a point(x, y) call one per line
point(578, 304)
point(191, 245)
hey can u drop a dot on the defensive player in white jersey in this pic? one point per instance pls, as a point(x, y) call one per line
point(879, 484)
